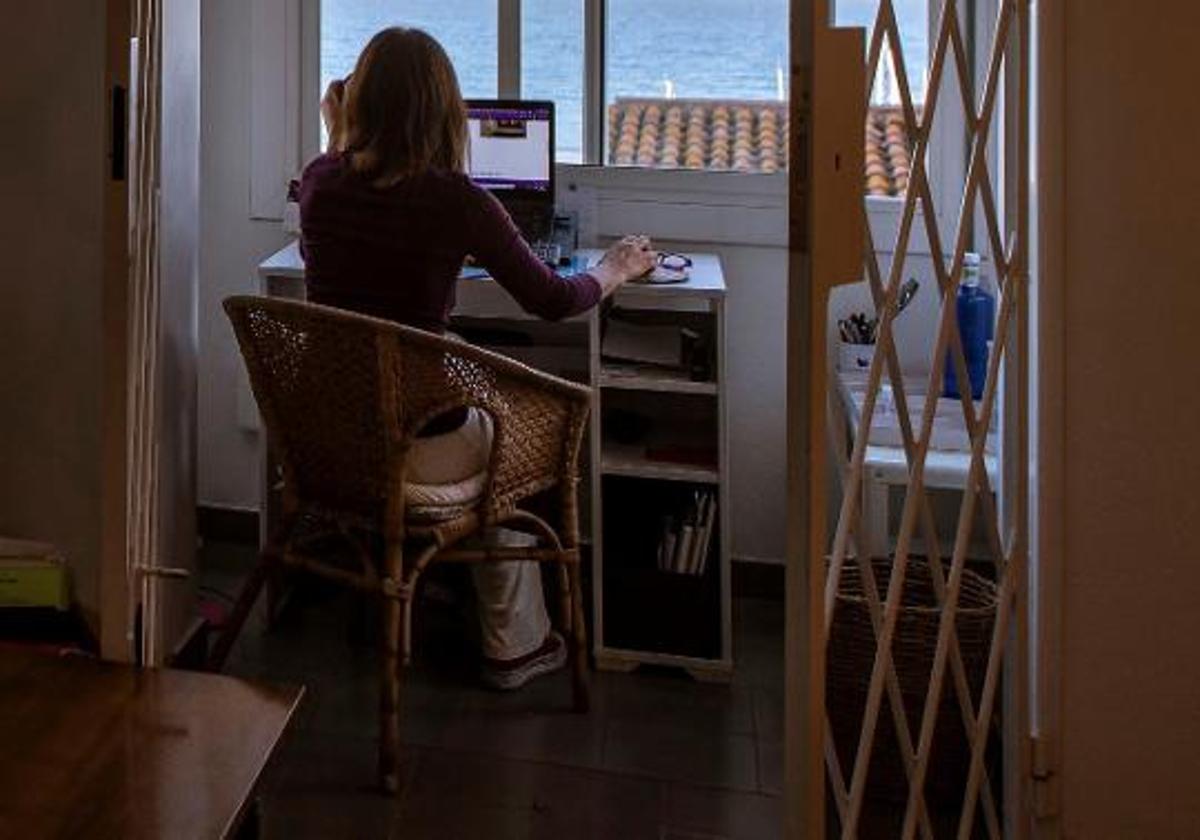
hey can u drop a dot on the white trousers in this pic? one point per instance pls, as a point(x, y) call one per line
point(512, 610)
point(511, 606)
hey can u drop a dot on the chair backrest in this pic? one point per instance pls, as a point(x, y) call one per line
point(342, 396)
point(316, 378)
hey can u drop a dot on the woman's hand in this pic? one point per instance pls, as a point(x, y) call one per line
point(332, 105)
point(626, 260)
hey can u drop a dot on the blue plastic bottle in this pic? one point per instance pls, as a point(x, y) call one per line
point(976, 323)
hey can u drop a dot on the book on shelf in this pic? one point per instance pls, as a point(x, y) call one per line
point(704, 538)
point(699, 559)
point(683, 552)
point(686, 537)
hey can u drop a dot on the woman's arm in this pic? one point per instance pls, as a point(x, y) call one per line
point(498, 246)
point(627, 259)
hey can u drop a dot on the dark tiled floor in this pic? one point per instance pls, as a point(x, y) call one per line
point(659, 756)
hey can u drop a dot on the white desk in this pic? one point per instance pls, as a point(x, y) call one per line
point(702, 296)
point(282, 275)
point(885, 465)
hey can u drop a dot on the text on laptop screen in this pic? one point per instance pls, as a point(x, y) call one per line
point(511, 147)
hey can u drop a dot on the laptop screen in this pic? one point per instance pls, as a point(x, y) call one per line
point(512, 147)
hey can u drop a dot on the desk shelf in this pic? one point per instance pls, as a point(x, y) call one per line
point(702, 670)
point(635, 378)
point(631, 598)
point(631, 462)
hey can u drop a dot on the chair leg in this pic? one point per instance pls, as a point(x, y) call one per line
point(277, 583)
point(389, 696)
point(565, 619)
point(578, 651)
point(406, 637)
point(241, 611)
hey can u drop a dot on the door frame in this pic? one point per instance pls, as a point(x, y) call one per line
point(1048, 425)
point(826, 170)
point(115, 590)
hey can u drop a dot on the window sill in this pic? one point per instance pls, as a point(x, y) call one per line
point(771, 186)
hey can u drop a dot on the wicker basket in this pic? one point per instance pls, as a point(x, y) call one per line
point(851, 657)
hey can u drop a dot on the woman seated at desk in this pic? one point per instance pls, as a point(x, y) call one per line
point(387, 218)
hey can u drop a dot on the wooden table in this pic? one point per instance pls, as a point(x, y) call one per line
point(97, 750)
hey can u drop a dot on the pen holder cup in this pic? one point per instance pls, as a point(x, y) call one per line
point(854, 356)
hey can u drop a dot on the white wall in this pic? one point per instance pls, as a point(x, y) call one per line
point(179, 349)
point(232, 246)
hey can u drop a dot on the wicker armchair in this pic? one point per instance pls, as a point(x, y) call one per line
point(342, 397)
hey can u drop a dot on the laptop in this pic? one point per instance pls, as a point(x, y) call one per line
point(511, 155)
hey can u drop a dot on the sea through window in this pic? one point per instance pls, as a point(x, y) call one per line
point(687, 84)
point(553, 67)
point(467, 29)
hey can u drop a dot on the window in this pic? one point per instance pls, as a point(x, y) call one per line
point(466, 28)
point(912, 19)
point(700, 84)
point(553, 67)
point(688, 84)
point(888, 146)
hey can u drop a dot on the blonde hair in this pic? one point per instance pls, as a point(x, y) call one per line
point(403, 110)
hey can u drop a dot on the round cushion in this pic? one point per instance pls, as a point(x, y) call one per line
point(447, 473)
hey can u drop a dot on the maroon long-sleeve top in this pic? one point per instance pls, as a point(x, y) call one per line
point(396, 252)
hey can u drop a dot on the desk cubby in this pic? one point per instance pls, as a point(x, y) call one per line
point(647, 608)
point(658, 436)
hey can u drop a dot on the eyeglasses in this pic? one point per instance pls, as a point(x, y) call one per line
point(674, 262)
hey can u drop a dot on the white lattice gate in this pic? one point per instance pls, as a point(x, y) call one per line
point(832, 236)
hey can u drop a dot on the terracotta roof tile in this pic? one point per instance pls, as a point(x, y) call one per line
point(743, 136)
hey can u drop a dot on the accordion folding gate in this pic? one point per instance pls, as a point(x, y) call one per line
point(984, 65)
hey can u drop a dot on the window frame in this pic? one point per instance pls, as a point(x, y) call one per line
point(948, 152)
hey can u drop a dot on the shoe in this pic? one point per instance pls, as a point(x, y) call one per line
point(507, 675)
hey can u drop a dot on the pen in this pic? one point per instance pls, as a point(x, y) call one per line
point(860, 324)
point(858, 328)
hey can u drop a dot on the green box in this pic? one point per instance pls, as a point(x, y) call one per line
point(32, 575)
